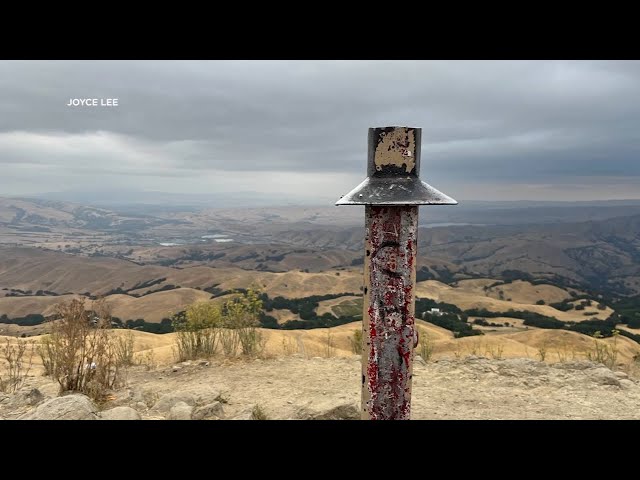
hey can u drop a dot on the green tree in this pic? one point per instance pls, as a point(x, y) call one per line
point(198, 331)
point(242, 316)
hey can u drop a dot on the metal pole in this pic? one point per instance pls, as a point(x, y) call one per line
point(389, 307)
point(391, 193)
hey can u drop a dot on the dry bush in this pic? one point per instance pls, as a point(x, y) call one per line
point(198, 331)
point(457, 350)
point(147, 358)
point(230, 342)
point(603, 353)
point(329, 345)
point(124, 346)
point(425, 345)
point(356, 341)
point(80, 353)
point(542, 351)
point(17, 359)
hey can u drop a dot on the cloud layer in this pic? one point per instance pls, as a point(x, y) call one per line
point(298, 129)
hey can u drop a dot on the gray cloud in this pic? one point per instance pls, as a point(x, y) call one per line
point(491, 129)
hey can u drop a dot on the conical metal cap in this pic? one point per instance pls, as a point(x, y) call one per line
point(392, 168)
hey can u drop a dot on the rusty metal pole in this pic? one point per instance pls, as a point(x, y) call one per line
point(391, 194)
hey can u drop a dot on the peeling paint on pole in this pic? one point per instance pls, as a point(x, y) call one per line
point(391, 193)
point(389, 330)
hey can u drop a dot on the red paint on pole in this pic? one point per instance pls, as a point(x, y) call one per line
point(391, 244)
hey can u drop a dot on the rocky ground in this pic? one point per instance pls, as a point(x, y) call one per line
point(329, 388)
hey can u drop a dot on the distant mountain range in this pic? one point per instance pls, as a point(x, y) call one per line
point(593, 244)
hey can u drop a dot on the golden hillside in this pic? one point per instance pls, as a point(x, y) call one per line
point(557, 345)
point(468, 295)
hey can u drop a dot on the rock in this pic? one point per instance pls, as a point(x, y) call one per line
point(181, 411)
point(4, 398)
point(143, 395)
point(576, 365)
point(624, 383)
point(141, 406)
point(203, 363)
point(69, 407)
point(621, 375)
point(204, 396)
point(603, 376)
point(120, 413)
point(186, 364)
point(246, 414)
point(329, 411)
point(26, 397)
point(212, 410)
point(168, 400)
point(176, 369)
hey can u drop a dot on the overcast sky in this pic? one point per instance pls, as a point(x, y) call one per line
point(297, 130)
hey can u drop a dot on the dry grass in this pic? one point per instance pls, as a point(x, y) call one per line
point(469, 297)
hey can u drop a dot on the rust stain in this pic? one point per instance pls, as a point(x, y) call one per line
point(396, 148)
point(389, 330)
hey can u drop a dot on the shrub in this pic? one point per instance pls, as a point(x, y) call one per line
point(425, 345)
point(80, 353)
point(329, 346)
point(563, 306)
point(356, 342)
point(18, 359)
point(147, 358)
point(197, 331)
point(124, 348)
point(242, 315)
point(603, 353)
point(542, 351)
point(541, 321)
point(540, 302)
point(230, 341)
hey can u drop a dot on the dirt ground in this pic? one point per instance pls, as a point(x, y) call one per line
point(469, 388)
